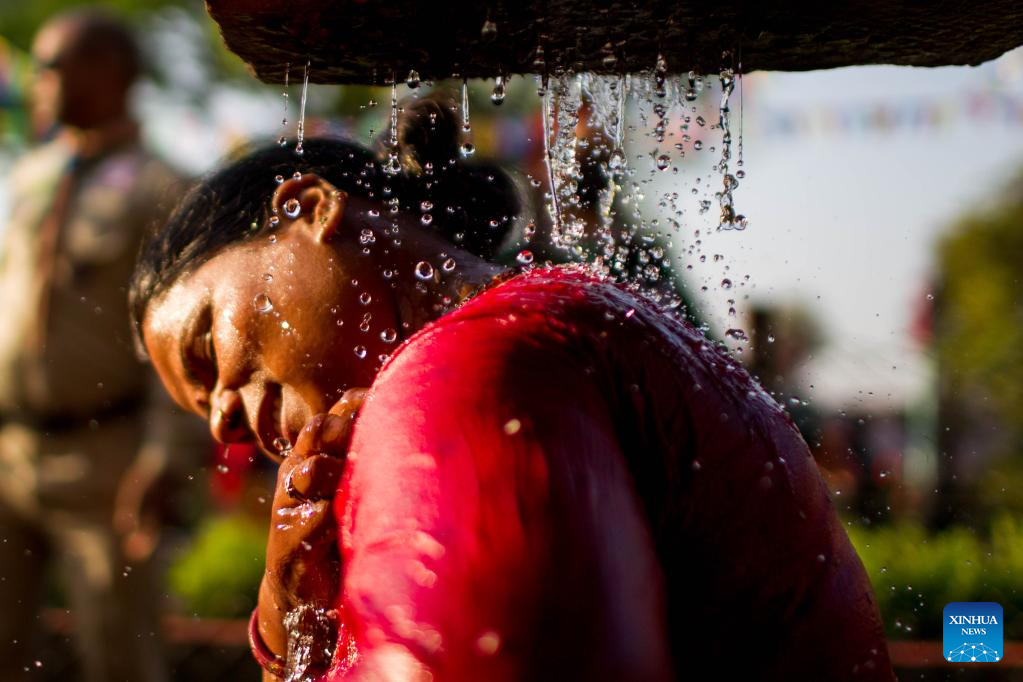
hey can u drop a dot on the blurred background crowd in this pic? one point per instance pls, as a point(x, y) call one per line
point(876, 293)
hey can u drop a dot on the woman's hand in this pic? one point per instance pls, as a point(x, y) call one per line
point(302, 575)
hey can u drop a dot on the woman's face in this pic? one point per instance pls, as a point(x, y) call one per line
point(268, 333)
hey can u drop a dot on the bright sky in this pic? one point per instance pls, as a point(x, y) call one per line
point(845, 221)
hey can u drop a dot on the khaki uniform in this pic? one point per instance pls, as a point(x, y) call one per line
point(77, 407)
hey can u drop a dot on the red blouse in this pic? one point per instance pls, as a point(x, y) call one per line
point(558, 481)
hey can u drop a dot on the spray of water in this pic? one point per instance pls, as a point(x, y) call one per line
point(300, 133)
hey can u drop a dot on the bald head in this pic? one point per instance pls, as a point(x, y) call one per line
point(87, 63)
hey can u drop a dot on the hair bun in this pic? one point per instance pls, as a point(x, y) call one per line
point(472, 204)
point(428, 130)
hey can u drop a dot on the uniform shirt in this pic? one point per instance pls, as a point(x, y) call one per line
point(86, 361)
point(558, 481)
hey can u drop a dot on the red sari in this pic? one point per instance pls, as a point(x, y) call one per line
point(557, 481)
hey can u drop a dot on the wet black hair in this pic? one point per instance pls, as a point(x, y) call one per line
point(472, 205)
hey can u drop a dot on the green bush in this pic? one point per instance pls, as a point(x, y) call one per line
point(915, 573)
point(219, 575)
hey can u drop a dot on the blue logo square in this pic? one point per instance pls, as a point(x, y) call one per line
point(972, 632)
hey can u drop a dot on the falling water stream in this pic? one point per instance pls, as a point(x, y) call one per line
point(586, 120)
point(300, 132)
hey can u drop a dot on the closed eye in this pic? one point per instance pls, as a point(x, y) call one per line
point(199, 356)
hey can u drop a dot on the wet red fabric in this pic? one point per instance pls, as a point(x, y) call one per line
point(558, 481)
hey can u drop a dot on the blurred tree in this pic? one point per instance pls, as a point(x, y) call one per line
point(978, 339)
point(21, 19)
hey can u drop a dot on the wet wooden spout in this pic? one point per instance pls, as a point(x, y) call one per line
point(371, 41)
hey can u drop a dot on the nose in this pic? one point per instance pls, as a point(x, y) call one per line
point(227, 417)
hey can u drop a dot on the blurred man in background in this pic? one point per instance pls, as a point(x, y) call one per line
point(84, 441)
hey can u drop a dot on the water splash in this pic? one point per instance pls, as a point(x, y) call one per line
point(467, 148)
point(728, 219)
point(606, 96)
point(311, 641)
point(497, 96)
point(283, 139)
point(548, 156)
point(561, 104)
point(300, 134)
point(393, 165)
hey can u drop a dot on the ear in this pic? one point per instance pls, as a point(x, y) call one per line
point(317, 201)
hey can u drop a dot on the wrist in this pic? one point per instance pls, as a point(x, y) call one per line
point(267, 659)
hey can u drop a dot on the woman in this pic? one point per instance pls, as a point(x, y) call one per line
point(547, 479)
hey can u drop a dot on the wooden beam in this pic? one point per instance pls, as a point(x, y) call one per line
point(366, 41)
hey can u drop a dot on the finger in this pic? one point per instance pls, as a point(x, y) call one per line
point(310, 437)
point(301, 527)
point(316, 478)
point(350, 402)
point(327, 434)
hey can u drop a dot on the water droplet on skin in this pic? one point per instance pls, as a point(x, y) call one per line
point(448, 265)
point(426, 219)
point(698, 145)
point(696, 465)
point(525, 257)
point(740, 174)
point(281, 444)
point(267, 277)
point(663, 162)
point(367, 237)
point(424, 271)
point(425, 206)
point(467, 149)
point(389, 335)
point(412, 80)
point(360, 352)
point(726, 283)
point(279, 179)
point(262, 303)
point(292, 208)
point(365, 298)
point(222, 468)
point(512, 426)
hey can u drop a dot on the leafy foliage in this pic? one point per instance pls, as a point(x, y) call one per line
point(915, 574)
point(979, 325)
point(20, 20)
point(219, 575)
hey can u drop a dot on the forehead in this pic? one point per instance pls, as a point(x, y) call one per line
point(55, 38)
point(163, 327)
